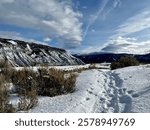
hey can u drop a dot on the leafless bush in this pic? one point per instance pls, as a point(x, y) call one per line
point(3, 63)
point(124, 62)
point(50, 82)
point(92, 66)
point(6, 69)
point(69, 84)
point(29, 84)
point(53, 82)
point(26, 86)
point(5, 106)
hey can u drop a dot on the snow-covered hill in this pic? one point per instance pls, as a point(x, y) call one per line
point(21, 53)
point(99, 90)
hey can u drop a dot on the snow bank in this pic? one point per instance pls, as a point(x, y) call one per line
point(136, 80)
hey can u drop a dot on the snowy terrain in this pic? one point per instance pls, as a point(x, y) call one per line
point(101, 90)
point(70, 67)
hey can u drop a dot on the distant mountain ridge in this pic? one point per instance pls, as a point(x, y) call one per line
point(22, 53)
point(110, 57)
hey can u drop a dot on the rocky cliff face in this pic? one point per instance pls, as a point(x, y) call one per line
point(21, 53)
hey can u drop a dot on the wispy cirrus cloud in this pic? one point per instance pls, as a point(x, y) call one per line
point(115, 4)
point(94, 17)
point(55, 18)
point(101, 12)
point(7, 1)
point(91, 49)
point(7, 34)
point(136, 23)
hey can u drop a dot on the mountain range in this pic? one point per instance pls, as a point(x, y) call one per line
point(111, 57)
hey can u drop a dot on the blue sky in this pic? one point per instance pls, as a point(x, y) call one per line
point(79, 26)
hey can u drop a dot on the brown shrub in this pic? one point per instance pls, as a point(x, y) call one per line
point(28, 84)
point(4, 63)
point(92, 66)
point(115, 65)
point(23, 80)
point(6, 69)
point(124, 62)
point(53, 82)
point(5, 106)
point(69, 84)
point(23, 104)
point(50, 82)
point(128, 61)
point(26, 87)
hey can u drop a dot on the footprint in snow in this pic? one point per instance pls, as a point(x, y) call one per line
point(130, 91)
point(126, 99)
point(91, 88)
point(90, 92)
point(135, 95)
point(102, 99)
point(87, 99)
point(122, 91)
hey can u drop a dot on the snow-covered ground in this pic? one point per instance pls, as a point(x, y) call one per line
point(87, 93)
point(102, 90)
point(136, 80)
point(71, 67)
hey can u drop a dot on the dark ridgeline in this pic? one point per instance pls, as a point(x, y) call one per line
point(110, 57)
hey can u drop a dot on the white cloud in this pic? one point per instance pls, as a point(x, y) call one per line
point(136, 23)
point(91, 49)
point(17, 36)
point(127, 45)
point(7, 1)
point(54, 18)
point(9, 35)
point(93, 30)
point(47, 39)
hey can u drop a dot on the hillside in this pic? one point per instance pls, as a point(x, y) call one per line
point(21, 53)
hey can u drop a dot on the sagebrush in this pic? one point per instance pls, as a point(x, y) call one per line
point(29, 84)
point(124, 62)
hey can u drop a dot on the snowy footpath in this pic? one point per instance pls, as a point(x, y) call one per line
point(121, 91)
